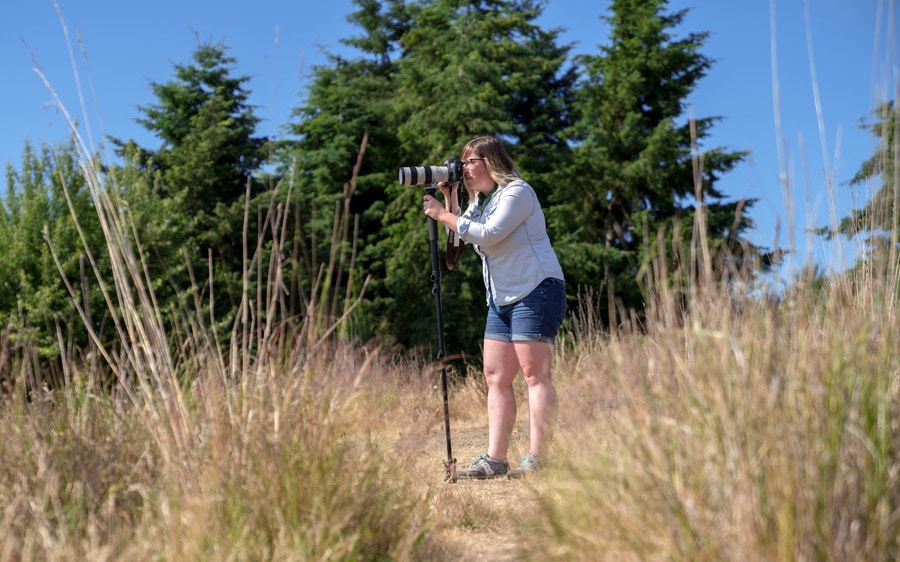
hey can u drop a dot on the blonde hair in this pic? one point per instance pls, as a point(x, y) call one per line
point(500, 164)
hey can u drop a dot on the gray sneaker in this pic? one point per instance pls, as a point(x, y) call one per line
point(527, 466)
point(483, 468)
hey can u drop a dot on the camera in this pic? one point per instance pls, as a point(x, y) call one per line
point(450, 172)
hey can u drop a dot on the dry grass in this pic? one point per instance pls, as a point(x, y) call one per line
point(765, 431)
point(769, 433)
point(745, 428)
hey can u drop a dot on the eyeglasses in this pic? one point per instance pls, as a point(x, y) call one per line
point(469, 162)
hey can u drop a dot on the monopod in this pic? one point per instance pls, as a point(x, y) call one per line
point(450, 463)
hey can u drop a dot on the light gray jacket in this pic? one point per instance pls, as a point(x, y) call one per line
point(510, 235)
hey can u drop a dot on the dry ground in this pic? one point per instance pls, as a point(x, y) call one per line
point(478, 520)
point(499, 519)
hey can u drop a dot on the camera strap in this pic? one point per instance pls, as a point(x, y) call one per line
point(455, 250)
point(455, 246)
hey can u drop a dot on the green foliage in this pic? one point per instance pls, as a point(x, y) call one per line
point(876, 224)
point(431, 76)
point(49, 233)
point(877, 218)
point(636, 163)
point(196, 181)
point(345, 155)
point(472, 68)
point(469, 68)
point(602, 138)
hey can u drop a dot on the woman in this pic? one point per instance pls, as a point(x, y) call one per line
point(525, 296)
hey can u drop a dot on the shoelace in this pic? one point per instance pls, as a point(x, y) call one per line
point(475, 463)
point(529, 461)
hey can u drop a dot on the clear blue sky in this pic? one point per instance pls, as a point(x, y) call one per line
point(830, 62)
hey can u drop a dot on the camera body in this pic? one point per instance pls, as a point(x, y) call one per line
point(450, 172)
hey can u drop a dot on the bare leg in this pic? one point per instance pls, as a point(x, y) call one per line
point(500, 368)
point(534, 357)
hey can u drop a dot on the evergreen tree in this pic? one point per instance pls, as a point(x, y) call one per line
point(481, 67)
point(877, 222)
point(433, 75)
point(469, 68)
point(878, 217)
point(38, 220)
point(209, 154)
point(633, 175)
point(345, 153)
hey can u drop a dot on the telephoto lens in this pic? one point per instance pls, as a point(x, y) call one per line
point(424, 174)
point(450, 172)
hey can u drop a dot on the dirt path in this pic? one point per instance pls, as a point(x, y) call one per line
point(476, 519)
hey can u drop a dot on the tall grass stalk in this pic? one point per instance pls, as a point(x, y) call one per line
point(245, 449)
point(751, 430)
point(199, 452)
point(727, 425)
point(738, 425)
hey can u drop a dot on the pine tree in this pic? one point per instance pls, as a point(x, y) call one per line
point(469, 68)
point(433, 75)
point(481, 67)
point(37, 220)
point(209, 155)
point(878, 215)
point(634, 172)
point(878, 221)
point(345, 153)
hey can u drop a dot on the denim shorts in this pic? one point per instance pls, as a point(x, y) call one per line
point(537, 317)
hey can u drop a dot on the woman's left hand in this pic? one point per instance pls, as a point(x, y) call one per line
point(447, 189)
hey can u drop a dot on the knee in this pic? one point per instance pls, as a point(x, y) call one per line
point(537, 377)
point(497, 382)
point(498, 378)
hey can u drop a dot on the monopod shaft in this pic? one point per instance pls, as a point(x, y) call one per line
point(450, 463)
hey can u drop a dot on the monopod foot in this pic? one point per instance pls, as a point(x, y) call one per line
point(450, 471)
